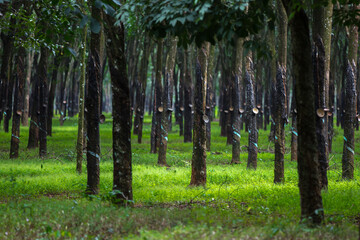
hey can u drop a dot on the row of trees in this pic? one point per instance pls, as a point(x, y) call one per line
point(216, 43)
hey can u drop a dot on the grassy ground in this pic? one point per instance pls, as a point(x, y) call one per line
point(43, 198)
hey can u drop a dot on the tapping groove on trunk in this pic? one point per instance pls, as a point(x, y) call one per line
point(320, 103)
point(251, 116)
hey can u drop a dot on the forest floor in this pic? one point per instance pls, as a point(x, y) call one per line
point(44, 198)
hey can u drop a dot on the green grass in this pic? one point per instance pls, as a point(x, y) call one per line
point(43, 198)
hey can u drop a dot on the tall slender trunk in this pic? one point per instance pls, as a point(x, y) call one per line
point(140, 109)
point(81, 126)
point(188, 98)
point(54, 78)
point(6, 59)
point(198, 162)
point(25, 115)
point(9, 99)
point(156, 118)
point(209, 96)
point(122, 182)
point(167, 101)
point(251, 112)
point(281, 96)
point(35, 111)
point(237, 90)
point(18, 102)
point(308, 166)
point(43, 98)
point(349, 123)
point(92, 105)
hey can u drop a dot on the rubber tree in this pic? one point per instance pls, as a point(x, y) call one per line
point(281, 99)
point(18, 90)
point(251, 112)
point(321, 58)
point(350, 103)
point(237, 81)
point(92, 106)
point(167, 100)
point(198, 161)
point(308, 165)
point(81, 127)
point(115, 46)
point(156, 118)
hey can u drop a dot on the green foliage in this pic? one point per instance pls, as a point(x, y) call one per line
point(200, 21)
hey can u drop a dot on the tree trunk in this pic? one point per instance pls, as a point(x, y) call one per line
point(251, 114)
point(18, 102)
point(35, 112)
point(198, 162)
point(156, 118)
point(92, 105)
point(188, 99)
point(237, 90)
point(52, 95)
point(140, 109)
point(280, 117)
point(42, 72)
point(167, 101)
point(5, 71)
point(308, 166)
point(209, 96)
point(25, 115)
point(122, 182)
point(349, 123)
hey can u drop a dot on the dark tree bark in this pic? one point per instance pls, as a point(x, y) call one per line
point(308, 165)
point(188, 99)
point(81, 123)
point(9, 99)
point(251, 112)
point(321, 109)
point(121, 111)
point(18, 102)
point(6, 60)
point(51, 99)
point(294, 132)
point(237, 90)
point(350, 103)
point(281, 104)
point(349, 123)
point(92, 105)
point(156, 118)
point(167, 101)
point(43, 98)
point(35, 112)
point(26, 113)
point(209, 96)
point(140, 109)
point(280, 121)
point(198, 162)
